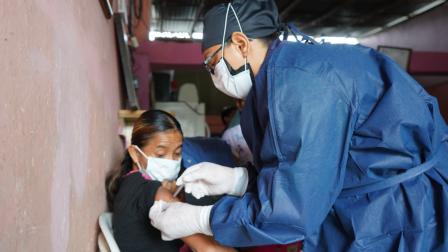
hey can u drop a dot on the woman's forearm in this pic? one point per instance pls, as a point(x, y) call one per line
point(203, 243)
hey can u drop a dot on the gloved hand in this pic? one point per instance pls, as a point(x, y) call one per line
point(211, 179)
point(177, 220)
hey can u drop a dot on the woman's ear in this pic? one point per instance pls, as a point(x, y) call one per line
point(242, 42)
point(133, 153)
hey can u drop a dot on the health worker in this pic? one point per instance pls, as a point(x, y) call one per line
point(350, 153)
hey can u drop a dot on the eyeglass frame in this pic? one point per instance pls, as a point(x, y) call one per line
point(209, 58)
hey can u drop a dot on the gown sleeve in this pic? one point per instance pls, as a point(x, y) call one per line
point(304, 153)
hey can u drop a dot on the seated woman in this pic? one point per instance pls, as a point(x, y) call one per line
point(152, 160)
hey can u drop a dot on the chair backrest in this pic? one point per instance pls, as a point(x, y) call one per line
point(188, 93)
point(105, 221)
point(102, 243)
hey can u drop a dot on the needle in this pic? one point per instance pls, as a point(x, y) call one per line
point(178, 190)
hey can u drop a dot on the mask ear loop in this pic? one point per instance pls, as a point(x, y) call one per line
point(241, 29)
point(225, 29)
point(141, 152)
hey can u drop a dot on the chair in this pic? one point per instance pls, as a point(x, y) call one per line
point(188, 93)
point(105, 221)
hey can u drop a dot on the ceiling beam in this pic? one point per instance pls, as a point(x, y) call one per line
point(284, 14)
point(373, 14)
point(339, 6)
point(376, 12)
point(196, 17)
point(162, 14)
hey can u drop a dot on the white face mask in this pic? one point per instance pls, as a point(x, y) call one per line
point(160, 168)
point(237, 85)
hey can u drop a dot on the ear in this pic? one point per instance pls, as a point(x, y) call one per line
point(133, 153)
point(241, 41)
point(240, 103)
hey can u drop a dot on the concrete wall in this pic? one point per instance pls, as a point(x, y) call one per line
point(141, 67)
point(59, 96)
point(427, 36)
point(427, 32)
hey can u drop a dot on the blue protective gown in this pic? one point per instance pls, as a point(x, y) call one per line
point(350, 154)
point(206, 149)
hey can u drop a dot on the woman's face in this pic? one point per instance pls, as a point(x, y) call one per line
point(166, 144)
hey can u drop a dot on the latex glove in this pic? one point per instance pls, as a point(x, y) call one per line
point(211, 179)
point(177, 220)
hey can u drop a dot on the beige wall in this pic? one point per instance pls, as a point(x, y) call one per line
point(59, 96)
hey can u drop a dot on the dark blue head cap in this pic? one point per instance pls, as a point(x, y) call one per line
point(258, 19)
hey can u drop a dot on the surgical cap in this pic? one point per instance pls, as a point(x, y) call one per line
point(258, 19)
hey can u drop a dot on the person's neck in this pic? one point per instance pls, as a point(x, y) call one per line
point(260, 54)
point(135, 168)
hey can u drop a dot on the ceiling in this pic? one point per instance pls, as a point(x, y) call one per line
point(347, 18)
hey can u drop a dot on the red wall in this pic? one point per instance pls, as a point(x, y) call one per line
point(60, 95)
point(433, 63)
point(172, 55)
point(162, 55)
point(441, 92)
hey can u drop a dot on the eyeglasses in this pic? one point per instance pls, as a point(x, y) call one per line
point(209, 58)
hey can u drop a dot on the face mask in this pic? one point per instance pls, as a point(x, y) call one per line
point(237, 84)
point(160, 168)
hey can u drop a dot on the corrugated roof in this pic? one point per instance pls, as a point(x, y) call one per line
point(316, 17)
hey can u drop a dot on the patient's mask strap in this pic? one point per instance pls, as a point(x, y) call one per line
point(141, 152)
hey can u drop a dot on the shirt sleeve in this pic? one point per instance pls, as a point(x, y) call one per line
point(304, 153)
point(147, 195)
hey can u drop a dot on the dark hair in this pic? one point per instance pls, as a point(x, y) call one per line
point(269, 39)
point(149, 123)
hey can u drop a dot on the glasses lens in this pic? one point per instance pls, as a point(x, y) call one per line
point(208, 68)
point(209, 58)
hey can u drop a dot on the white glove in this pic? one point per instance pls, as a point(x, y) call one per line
point(211, 179)
point(177, 220)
